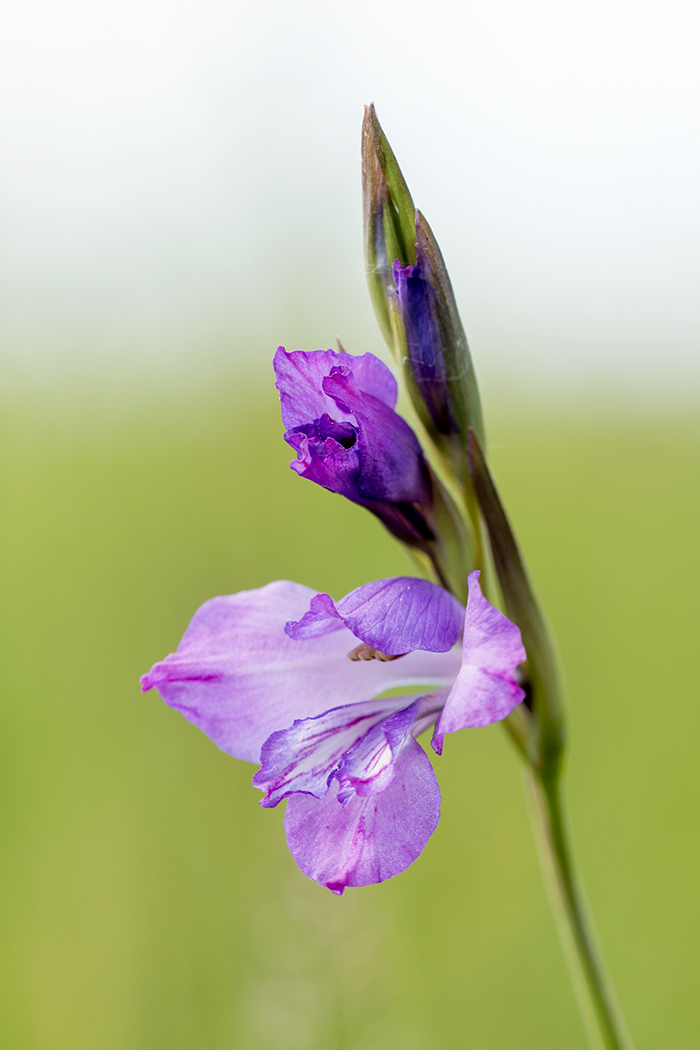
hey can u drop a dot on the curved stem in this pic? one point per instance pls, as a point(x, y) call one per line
point(600, 1010)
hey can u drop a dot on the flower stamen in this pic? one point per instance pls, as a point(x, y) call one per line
point(368, 652)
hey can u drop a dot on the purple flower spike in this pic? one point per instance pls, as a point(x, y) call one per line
point(486, 689)
point(396, 616)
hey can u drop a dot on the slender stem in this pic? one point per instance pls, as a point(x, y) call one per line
point(539, 736)
point(600, 1010)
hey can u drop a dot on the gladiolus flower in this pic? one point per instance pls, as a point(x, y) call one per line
point(339, 413)
point(266, 675)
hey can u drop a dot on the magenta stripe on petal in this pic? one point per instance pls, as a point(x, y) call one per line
point(369, 766)
point(303, 757)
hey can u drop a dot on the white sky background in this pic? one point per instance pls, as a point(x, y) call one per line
point(180, 182)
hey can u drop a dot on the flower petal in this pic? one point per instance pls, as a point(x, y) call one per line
point(303, 757)
point(403, 613)
point(301, 373)
point(392, 467)
point(333, 466)
point(369, 839)
point(369, 766)
point(395, 615)
point(485, 690)
point(238, 677)
point(320, 618)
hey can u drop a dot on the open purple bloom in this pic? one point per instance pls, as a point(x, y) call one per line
point(265, 675)
point(339, 413)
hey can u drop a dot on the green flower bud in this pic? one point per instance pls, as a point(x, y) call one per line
point(389, 217)
point(415, 305)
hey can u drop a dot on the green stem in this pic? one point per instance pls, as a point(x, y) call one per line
point(538, 733)
point(601, 1013)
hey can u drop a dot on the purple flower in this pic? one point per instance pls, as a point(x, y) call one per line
point(265, 675)
point(339, 413)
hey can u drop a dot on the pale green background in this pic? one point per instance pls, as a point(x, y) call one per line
point(180, 193)
point(150, 904)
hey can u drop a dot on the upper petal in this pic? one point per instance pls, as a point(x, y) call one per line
point(485, 690)
point(395, 615)
point(321, 617)
point(370, 838)
point(300, 374)
point(238, 677)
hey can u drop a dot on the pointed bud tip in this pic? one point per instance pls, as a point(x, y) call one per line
point(370, 117)
point(372, 135)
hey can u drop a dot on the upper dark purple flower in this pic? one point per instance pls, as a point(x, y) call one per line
point(339, 413)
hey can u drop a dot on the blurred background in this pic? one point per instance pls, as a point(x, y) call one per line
point(180, 193)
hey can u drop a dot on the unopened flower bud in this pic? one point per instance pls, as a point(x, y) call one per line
point(415, 305)
point(438, 365)
point(389, 218)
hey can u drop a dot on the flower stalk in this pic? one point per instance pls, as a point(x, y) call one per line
point(601, 1014)
point(538, 731)
point(313, 689)
point(417, 311)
